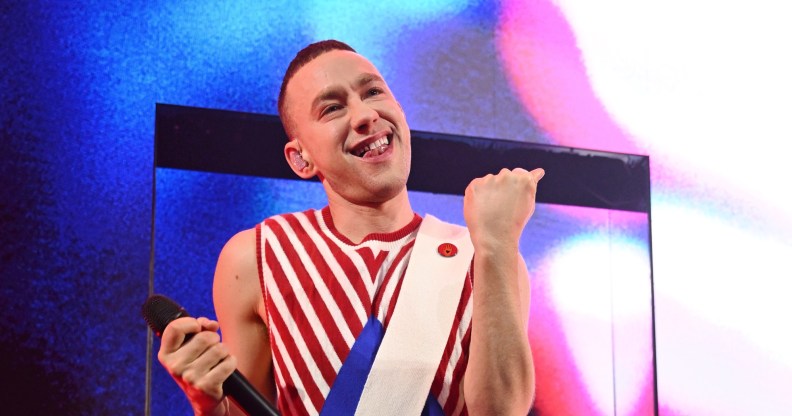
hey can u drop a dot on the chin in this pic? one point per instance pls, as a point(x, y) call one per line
point(386, 192)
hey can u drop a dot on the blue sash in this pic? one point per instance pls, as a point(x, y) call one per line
point(348, 386)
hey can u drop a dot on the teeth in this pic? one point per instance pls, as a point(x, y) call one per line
point(379, 143)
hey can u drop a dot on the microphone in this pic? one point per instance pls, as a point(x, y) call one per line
point(159, 311)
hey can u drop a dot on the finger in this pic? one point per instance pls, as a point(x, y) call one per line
point(205, 362)
point(208, 373)
point(472, 185)
point(208, 324)
point(201, 342)
point(215, 377)
point(224, 368)
point(538, 174)
point(175, 333)
point(182, 360)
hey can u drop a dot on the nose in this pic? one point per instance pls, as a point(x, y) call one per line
point(363, 116)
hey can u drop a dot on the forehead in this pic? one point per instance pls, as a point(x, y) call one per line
point(334, 69)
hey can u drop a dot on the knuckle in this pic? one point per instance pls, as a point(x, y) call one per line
point(214, 337)
point(164, 359)
point(217, 352)
point(232, 362)
point(222, 349)
point(203, 384)
point(226, 367)
point(199, 341)
point(206, 339)
point(191, 377)
point(210, 388)
point(169, 362)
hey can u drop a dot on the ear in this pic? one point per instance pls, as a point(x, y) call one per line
point(298, 162)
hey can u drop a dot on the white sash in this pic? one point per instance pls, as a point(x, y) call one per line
point(412, 347)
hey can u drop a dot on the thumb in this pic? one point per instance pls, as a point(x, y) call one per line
point(538, 174)
point(208, 324)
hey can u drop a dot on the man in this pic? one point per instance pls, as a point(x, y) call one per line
point(291, 295)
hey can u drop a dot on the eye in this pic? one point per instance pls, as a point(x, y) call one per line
point(331, 108)
point(374, 91)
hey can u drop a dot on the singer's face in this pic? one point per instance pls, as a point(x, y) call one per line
point(350, 127)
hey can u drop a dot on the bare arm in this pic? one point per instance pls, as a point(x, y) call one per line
point(240, 310)
point(200, 365)
point(500, 374)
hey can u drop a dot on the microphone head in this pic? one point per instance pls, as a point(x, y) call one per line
point(159, 311)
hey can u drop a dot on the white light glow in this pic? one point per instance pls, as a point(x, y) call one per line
point(600, 287)
point(704, 88)
point(722, 299)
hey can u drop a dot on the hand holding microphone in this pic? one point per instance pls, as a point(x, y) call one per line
point(192, 353)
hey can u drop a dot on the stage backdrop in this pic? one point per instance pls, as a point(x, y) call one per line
point(700, 86)
point(587, 245)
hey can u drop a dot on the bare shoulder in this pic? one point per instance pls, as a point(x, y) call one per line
point(239, 304)
point(236, 282)
point(239, 253)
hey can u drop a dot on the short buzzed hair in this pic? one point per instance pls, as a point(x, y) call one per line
point(306, 55)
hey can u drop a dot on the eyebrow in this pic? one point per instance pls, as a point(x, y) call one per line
point(336, 92)
point(367, 78)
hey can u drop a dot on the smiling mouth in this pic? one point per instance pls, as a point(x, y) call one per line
point(376, 148)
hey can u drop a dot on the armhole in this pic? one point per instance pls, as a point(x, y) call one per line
point(260, 269)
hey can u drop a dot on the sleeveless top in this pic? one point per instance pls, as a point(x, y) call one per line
point(320, 289)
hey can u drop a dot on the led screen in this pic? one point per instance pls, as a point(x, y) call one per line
point(591, 318)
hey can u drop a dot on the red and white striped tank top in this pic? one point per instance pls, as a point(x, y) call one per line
point(320, 290)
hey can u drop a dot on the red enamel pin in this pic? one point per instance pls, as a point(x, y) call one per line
point(447, 250)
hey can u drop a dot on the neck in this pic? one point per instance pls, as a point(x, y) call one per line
point(355, 221)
